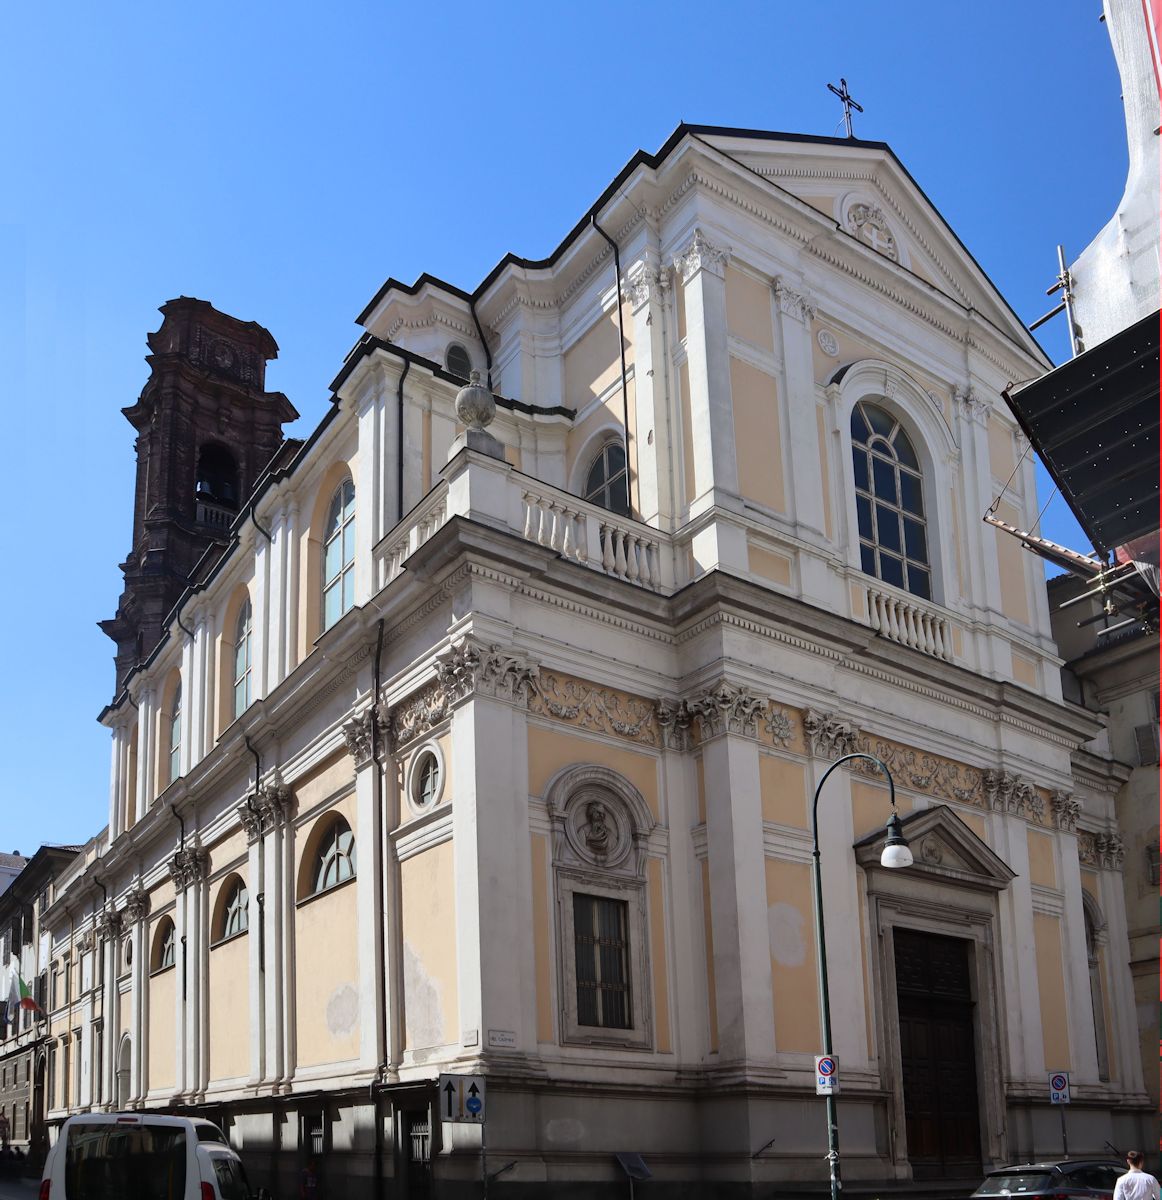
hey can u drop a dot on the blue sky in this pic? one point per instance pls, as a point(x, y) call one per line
point(282, 160)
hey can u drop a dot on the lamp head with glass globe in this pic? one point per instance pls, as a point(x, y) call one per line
point(896, 852)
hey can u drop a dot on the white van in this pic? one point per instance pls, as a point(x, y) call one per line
point(142, 1156)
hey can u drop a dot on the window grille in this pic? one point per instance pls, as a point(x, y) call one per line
point(602, 945)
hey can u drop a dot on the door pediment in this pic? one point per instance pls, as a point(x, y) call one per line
point(943, 847)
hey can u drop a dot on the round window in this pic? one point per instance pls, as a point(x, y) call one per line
point(458, 360)
point(129, 952)
point(426, 779)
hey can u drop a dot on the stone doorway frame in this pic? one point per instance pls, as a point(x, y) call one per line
point(951, 890)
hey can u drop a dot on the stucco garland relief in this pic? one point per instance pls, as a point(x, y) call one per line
point(189, 865)
point(589, 706)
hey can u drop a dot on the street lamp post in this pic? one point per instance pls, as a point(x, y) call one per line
point(895, 854)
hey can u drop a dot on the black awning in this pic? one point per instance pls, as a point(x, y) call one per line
point(1094, 421)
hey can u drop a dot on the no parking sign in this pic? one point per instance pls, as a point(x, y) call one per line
point(826, 1075)
point(1059, 1087)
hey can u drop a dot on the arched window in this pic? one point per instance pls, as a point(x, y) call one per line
point(164, 946)
point(607, 482)
point(889, 501)
point(175, 733)
point(217, 477)
point(233, 910)
point(458, 360)
point(339, 555)
point(243, 632)
point(335, 856)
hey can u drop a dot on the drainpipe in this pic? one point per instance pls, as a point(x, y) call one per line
point(407, 366)
point(181, 849)
point(621, 345)
point(377, 784)
point(259, 895)
point(483, 342)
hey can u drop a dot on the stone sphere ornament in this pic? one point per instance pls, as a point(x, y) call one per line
point(475, 405)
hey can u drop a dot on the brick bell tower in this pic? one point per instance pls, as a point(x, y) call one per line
point(206, 428)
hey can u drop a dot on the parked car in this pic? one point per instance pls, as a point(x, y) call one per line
point(1064, 1179)
point(113, 1156)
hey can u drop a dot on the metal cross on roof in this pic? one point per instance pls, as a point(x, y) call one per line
point(848, 103)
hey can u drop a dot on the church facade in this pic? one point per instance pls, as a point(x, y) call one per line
point(492, 751)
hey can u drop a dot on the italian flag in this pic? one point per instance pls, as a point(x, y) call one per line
point(19, 993)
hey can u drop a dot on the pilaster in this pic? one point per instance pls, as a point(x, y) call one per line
point(702, 269)
point(647, 293)
point(727, 715)
point(133, 919)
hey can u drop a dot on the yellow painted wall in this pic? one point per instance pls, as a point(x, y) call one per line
point(1011, 563)
point(976, 823)
point(230, 1009)
point(1001, 458)
point(1051, 985)
point(550, 750)
point(659, 971)
point(711, 993)
point(768, 565)
point(1024, 670)
point(593, 363)
point(124, 1011)
point(756, 435)
point(824, 468)
point(1042, 869)
point(784, 791)
point(793, 967)
point(327, 983)
point(230, 851)
point(161, 1030)
point(431, 995)
point(542, 953)
point(748, 309)
point(161, 896)
point(870, 807)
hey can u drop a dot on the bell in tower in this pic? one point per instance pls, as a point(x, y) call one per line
point(206, 429)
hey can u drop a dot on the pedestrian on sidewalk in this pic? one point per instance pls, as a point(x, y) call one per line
point(1136, 1183)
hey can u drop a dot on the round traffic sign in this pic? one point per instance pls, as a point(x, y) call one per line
point(827, 1066)
point(472, 1104)
point(1058, 1083)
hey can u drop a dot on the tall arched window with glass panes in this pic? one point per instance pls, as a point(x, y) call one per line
point(889, 501)
point(243, 637)
point(339, 555)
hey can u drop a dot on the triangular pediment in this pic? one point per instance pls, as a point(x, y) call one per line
point(870, 195)
point(943, 847)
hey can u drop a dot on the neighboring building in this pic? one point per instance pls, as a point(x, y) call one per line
point(1117, 675)
point(492, 750)
point(26, 1061)
point(1094, 420)
point(10, 866)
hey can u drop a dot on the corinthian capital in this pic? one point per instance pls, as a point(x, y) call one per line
point(727, 708)
point(700, 255)
point(359, 733)
point(795, 304)
point(136, 906)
